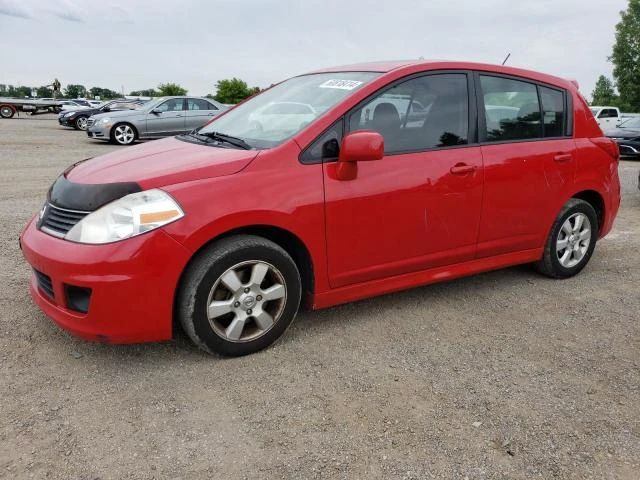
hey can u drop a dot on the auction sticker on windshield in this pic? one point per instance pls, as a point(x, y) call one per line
point(341, 84)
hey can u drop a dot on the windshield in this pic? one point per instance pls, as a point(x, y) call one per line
point(595, 111)
point(277, 114)
point(631, 123)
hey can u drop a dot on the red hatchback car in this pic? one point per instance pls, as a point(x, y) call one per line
point(330, 187)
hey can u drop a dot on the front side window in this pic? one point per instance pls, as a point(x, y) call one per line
point(271, 117)
point(419, 114)
point(511, 107)
point(608, 113)
point(172, 105)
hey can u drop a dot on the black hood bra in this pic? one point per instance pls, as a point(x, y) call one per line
point(87, 197)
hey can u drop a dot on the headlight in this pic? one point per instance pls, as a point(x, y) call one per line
point(127, 217)
point(105, 120)
point(68, 114)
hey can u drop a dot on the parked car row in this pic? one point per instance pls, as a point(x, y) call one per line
point(125, 121)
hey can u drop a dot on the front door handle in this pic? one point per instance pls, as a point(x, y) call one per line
point(179, 115)
point(462, 169)
point(563, 157)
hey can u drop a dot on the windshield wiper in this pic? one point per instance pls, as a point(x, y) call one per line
point(221, 137)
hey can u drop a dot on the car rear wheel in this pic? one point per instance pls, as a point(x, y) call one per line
point(6, 111)
point(239, 295)
point(81, 123)
point(123, 134)
point(571, 241)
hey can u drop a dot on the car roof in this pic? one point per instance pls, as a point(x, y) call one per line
point(417, 65)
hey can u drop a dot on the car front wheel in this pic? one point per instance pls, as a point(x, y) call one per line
point(123, 134)
point(571, 241)
point(81, 123)
point(239, 295)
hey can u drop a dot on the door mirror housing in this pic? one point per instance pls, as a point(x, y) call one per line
point(106, 109)
point(157, 111)
point(359, 146)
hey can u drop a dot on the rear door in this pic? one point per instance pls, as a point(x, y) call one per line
point(168, 120)
point(529, 160)
point(199, 111)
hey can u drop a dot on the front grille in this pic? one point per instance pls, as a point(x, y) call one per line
point(90, 122)
point(58, 221)
point(44, 283)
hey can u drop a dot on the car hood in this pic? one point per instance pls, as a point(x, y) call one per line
point(161, 162)
point(623, 133)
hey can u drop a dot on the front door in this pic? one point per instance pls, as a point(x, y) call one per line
point(418, 207)
point(168, 119)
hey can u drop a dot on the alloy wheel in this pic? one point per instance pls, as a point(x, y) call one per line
point(573, 240)
point(124, 134)
point(246, 301)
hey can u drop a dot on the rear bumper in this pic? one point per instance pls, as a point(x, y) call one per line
point(132, 284)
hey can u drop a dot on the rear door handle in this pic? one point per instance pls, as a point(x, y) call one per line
point(462, 169)
point(563, 157)
point(179, 115)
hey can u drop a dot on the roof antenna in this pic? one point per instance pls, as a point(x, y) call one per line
point(506, 58)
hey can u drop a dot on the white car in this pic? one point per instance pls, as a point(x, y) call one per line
point(67, 105)
point(282, 116)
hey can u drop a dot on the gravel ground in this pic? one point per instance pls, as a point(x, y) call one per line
point(504, 375)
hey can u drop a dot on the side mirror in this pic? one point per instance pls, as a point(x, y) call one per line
point(360, 146)
point(157, 111)
point(106, 109)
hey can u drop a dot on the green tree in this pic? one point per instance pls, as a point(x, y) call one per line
point(45, 92)
point(19, 92)
point(168, 89)
point(149, 92)
point(604, 94)
point(626, 56)
point(103, 93)
point(74, 91)
point(233, 90)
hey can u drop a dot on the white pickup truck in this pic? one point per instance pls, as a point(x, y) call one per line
point(610, 117)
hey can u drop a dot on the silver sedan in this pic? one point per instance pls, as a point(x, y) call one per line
point(164, 117)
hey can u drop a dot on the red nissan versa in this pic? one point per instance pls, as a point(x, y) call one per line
point(333, 186)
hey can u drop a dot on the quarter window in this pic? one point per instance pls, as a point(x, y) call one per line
point(553, 112)
point(420, 114)
point(512, 110)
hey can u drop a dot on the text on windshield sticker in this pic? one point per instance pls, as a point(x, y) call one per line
point(341, 84)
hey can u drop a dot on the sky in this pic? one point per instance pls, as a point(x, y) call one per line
point(137, 44)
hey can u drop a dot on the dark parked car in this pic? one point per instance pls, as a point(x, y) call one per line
point(78, 118)
point(627, 136)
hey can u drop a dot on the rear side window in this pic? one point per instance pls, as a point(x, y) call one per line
point(197, 104)
point(512, 111)
point(608, 113)
point(553, 112)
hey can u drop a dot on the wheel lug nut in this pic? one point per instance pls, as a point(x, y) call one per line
point(246, 290)
point(249, 312)
point(237, 304)
point(259, 297)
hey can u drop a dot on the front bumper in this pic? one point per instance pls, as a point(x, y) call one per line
point(97, 130)
point(132, 284)
point(65, 122)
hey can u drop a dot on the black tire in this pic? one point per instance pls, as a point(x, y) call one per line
point(205, 272)
point(550, 264)
point(115, 137)
point(80, 123)
point(6, 111)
